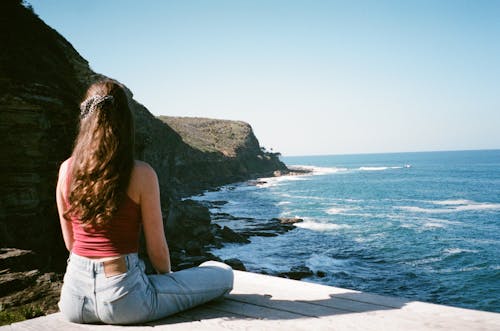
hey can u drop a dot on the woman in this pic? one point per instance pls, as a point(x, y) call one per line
point(104, 197)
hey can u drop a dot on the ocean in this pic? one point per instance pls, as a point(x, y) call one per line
point(423, 226)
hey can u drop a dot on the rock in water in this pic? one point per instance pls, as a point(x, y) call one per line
point(297, 273)
point(287, 220)
point(230, 236)
point(236, 264)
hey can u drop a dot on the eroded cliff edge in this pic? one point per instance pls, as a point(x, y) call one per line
point(42, 81)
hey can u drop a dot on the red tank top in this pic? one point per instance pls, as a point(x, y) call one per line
point(119, 236)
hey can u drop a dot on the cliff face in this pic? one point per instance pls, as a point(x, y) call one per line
point(42, 81)
point(221, 151)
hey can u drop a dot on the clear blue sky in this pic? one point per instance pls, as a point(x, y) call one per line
point(311, 77)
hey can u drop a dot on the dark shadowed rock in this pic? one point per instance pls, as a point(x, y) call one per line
point(184, 261)
point(230, 236)
point(286, 220)
point(236, 264)
point(22, 285)
point(188, 226)
point(18, 259)
point(229, 217)
point(297, 273)
point(213, 204)
point(271, 228)
point(15, 281)
point(257, 233)
point(194, 248)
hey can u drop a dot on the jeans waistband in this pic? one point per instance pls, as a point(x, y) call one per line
point(85, 264)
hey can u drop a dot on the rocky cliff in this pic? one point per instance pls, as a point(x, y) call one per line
point(42, 81)
point(222, 151)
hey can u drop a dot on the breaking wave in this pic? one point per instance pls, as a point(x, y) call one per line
point(377, 168)
point(452, 206)
point(317, 226)
point(319, 170)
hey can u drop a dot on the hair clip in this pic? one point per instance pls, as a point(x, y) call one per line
point(91, 103)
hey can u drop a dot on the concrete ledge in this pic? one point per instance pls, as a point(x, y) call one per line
point(261, 302)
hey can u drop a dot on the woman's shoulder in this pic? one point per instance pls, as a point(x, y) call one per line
point(66, 162)
point(142, 166)
point(63, 177)
point(143, 178)
point(63, 168)
point(143, 170)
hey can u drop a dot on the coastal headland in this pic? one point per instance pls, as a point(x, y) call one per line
point(42, 81)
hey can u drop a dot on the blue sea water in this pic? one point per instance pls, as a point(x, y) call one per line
point(424, 226)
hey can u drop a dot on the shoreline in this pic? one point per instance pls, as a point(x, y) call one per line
point(272, 227)
point(424, 217)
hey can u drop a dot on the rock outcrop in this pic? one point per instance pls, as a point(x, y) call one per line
point(224, 152)
point(42, 81)
point(25, 291)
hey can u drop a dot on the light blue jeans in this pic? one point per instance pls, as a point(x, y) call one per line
point(88, 296)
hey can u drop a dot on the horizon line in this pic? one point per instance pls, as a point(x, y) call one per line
point(406, 152)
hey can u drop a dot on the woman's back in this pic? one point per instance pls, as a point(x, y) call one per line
point(121, 234)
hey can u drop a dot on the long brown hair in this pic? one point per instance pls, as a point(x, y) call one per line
point(103, 157)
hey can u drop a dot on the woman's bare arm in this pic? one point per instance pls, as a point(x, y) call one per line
point(152, 221)
point(66, 227)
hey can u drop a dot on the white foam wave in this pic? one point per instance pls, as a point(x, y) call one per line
point(281, 203)
point(319, 170)
point(315, 170)
point(478, 206)
point(418, 209)
point(377, 168)
point(320, 262)
point(307, 197)
point(369, 215)
point(433, 225)
point(428, 260)
point(407, 226)
point(275, 181)
point(470, 269)
point(451, 206)
point(442, 221)
point(337, 210)
point(452, 202)
point(316, 226)
point(456, 250)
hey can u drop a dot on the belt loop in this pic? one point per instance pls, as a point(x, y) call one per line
point(128, 260)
